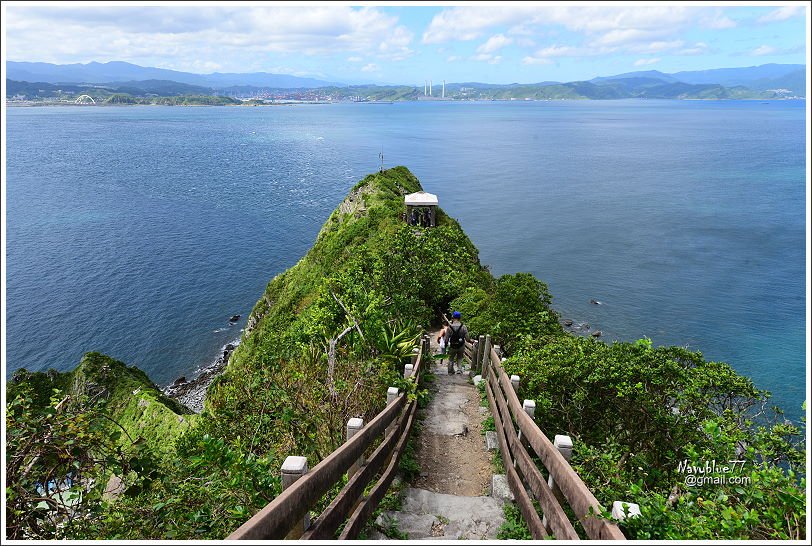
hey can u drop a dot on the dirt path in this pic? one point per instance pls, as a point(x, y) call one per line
point(451, 449)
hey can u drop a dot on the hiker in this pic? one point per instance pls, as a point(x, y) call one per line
point(456, 334)
point(426, 217)
point(441, 340)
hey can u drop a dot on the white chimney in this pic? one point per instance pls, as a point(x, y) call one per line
point(425, 87)
point(443, 88)
point(430, 85)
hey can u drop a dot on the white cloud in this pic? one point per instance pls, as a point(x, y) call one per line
point(764, 50)
point(560, 51)
point(470, 22)
point(238, 37)
point(487, 57)
point(716, 20)
point(655, 47)
point(644, 62)
point(453, 58)
point(355, 59)
point(782, 14)
point(371, 67)
point(537, 60)
point(494, 43)
point(600, 30)
point(699, 48)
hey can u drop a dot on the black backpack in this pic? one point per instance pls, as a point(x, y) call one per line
point(456, 339)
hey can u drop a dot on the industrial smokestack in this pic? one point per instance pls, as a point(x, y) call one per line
point(443, 88)
point(430, 86)
point(425, 87)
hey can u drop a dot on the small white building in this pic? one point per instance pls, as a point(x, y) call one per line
point(421, 209)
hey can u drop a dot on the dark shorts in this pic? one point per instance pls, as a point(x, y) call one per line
point(456, 354)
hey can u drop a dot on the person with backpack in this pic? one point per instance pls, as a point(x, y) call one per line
point(456, 334)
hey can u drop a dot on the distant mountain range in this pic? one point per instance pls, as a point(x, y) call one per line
point(119, 71)
point(756, 78)
point(50, 80)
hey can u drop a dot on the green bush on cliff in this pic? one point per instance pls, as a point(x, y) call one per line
point(637, 413)
point(512, 308)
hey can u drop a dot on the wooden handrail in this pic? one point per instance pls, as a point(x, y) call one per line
point(280, 515)
point(580, 498)
point(559, 524)
point(526, 507)
point(332, 517)
point(368, 505)
point(277, 518)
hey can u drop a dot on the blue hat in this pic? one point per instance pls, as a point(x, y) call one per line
point(456, 314)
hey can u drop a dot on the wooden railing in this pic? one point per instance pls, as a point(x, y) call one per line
point(287, 515)
point(563, 485)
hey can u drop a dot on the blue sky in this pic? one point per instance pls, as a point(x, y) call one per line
point(389, 43)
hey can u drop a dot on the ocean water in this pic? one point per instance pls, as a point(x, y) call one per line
point(138, 231)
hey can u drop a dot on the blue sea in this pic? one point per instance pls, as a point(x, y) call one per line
point(138, 231)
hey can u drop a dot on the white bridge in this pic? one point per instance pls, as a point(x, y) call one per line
point(82, 99)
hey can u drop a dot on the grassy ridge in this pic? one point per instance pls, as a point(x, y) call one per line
point(133, 403)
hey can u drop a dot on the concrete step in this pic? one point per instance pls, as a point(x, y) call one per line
point(428, 515)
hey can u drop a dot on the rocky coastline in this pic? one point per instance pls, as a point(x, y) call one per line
point(192, 393)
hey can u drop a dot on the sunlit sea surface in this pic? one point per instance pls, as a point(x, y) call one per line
point(138, 231)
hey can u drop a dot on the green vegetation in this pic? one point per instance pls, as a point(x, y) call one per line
point(514, 527)
point(183, 100)
point(637, 413)
point(69, 433)
point(323, 343)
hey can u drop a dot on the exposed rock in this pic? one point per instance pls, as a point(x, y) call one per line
point(192, 393)
point(595, 302)
point(234, 318)
point(113, 489)
point(597, 333)
point(568, 322)
point(179, 380)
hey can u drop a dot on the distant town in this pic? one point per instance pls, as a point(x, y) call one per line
point(123, 83)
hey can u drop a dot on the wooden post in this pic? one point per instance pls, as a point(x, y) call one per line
point(429, 366)
point(292, 469)
point(486, 355)
point(391, 395)
point(529, 407)
point(563, 443)
point(480, 353)
point(353, 426)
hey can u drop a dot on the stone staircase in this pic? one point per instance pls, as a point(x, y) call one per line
point(439, 516)
point(456, 496)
